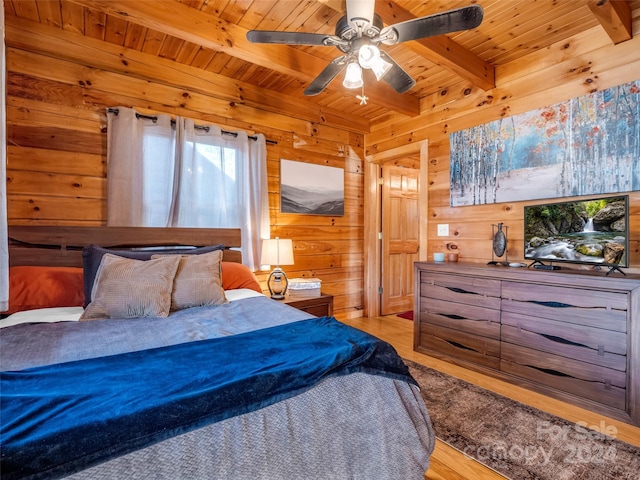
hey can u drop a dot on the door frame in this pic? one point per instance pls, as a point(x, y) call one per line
point(373, 215)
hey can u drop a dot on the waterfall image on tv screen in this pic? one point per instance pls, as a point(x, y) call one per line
point(590, 231)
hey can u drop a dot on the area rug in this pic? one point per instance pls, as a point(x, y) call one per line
point(408, 315)
point(519, 441)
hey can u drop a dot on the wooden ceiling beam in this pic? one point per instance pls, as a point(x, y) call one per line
point(176, 19)
point(615, 18)
point(48, 40)
point(440, 50)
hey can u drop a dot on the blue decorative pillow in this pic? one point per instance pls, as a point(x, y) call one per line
point(92, 256)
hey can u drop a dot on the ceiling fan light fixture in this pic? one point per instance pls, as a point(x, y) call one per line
point(353, 76)
point(369, 57)
point(380, 68)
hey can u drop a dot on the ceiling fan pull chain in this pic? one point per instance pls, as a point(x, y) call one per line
point(363, 98)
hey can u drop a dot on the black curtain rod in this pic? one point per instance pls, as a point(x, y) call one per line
point(197, 127)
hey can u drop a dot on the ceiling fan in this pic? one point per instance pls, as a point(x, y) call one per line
point(358, 35)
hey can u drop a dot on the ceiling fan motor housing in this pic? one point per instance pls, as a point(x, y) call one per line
point(347, 32)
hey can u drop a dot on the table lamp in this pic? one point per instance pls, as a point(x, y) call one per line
point(277, 251)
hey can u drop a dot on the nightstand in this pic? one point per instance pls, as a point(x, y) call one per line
point(318, 305)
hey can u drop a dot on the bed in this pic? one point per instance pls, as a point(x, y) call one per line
point(232, 386)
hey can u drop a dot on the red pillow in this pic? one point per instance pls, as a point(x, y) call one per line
point(236, 275)
point(43, 287)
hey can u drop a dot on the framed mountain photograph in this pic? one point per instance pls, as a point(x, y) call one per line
point(311, 189)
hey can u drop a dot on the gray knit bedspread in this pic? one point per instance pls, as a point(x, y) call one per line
point(357, 426)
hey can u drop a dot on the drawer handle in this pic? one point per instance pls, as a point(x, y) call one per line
point(452, 316)
point(550, 371)
point(459, 345)
point(461, 290)
point(564, 341)
point(552, 304)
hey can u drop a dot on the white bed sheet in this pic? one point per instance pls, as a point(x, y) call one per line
point(72, 314)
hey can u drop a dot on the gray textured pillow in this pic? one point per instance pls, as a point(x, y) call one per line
point(198, 281)
point(92, 256)
point(127, 288)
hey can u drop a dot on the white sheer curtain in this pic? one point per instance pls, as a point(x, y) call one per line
point(188, 176)
point(140, 163)
point(221, 181)
point(4, 248)
point(256, 223)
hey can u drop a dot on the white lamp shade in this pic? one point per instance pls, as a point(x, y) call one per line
point(353, 76)
point(380, 68)
point(277, 251)
point(369, 57)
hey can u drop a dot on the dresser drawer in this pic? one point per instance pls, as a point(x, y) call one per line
point(606, 348)
point(600, 384)
point(468, 290)
point(606, 310)
point(469, 318)
point(465, 346)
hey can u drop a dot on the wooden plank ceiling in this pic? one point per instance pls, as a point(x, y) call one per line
point(211, 35)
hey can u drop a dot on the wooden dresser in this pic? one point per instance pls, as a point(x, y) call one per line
point(570, 334)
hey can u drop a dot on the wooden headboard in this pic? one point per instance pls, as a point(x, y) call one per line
point(62, 246)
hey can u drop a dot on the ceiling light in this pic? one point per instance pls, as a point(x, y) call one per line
point(380, 68)
point(369, 57)
point(353, 76)
point(367, 54)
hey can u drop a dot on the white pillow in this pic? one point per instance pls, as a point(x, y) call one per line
point(43, 315)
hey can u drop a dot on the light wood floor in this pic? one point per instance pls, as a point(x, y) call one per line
point(446, 462)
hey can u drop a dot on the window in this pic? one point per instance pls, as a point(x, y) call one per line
point(164, 173)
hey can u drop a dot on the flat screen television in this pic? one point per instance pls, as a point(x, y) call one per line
point(592, 232)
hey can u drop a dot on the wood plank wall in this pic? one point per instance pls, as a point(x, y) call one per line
point(59, 85)
point(569, 69)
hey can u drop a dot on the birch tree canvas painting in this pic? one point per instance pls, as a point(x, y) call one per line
point(586, 145)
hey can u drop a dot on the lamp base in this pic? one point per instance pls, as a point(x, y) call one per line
point(277, 284)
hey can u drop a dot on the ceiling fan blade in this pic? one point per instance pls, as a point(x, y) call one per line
point(325, 77)
point(399, 80)
point(360, 13)
point(291, 38)
point(432, 25)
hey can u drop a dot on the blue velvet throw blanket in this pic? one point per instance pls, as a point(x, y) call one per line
point(59, 419)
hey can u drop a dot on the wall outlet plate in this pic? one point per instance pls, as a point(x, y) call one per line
point(443, 229)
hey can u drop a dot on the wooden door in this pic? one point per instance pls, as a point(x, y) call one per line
point(400, 237)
